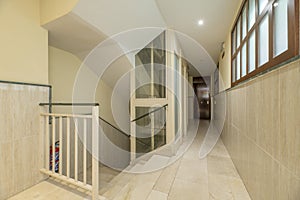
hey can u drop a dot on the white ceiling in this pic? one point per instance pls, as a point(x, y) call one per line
point(72, 34)
point(218, 16)
point(92, 21)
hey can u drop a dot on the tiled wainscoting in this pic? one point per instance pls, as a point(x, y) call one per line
point(21, 154)
point(262, 133)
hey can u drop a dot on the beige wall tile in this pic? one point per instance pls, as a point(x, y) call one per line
point(289, 117)
point(268, 137)
point(253, 95)
point(6, 170)
point(267, 157)
point(20, 112)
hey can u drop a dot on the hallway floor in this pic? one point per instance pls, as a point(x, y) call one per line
point(212, 178)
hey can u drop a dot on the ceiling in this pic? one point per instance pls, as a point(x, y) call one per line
point(72, 34)
point(217, 15)
point(93, 21)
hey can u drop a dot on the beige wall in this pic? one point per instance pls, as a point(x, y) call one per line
point(53, 9)
point(225, 62)
point(224, 66)
point(24, 44)
point(63, 67)
point(262, 136)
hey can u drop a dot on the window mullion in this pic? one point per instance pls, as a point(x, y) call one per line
point(271, 34)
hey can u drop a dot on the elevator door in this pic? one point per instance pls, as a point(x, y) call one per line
point(203, 98)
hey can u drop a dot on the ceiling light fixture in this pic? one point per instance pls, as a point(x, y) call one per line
point(275, 4)
point(200, 22)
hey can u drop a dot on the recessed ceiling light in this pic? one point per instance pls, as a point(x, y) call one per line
point(275, 4)
point(200, 22)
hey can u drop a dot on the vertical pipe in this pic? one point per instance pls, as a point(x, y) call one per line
point(53, 144)
point(95, 150)
point(76, 149)
point(68, 147)
point(47, 142)
point(84, 150)
point(60, 145)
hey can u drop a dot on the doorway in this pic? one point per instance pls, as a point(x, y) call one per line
point(203, 104)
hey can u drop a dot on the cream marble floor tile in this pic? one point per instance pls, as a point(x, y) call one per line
point(221, 166)
point(238, 189)
point(156, 195)
point(189, 178)
point(49, 190)
point(193, 170)
point(182, 190)
point(219, 188)
point(165, 181)
point(219, 150)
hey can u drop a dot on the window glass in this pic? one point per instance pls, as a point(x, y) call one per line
point(244, 22)
point(251, 15)
point(264, 36)
point(238, 33)
point(251, 52)
point(238, 66)
point(233, 41)
point(233, 70)
point(244, 59)
point(280, 26)
point(263, 44)
point(261, 5)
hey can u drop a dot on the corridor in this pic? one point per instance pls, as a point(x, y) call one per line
point(212, 178)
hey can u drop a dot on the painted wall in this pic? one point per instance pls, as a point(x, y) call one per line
point(63, 67)
point(224, 66)
point(225, 62)
point(24, 44)
point(261, 133)
point(53, 9)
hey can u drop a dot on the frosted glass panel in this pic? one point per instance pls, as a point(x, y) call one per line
point(280, 26)
point(234, 41)
point(238, 33)
point(261, 5)
point(263, 46)
point(233, 70)
point(251, 15)
point(244, 22)
point(238, 66)
point(143, 73)
point(251, 52)
point(244, 60)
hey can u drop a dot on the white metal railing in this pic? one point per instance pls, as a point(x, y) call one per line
point(64, 131)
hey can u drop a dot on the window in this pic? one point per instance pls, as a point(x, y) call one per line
point(263, 41)
point(264, 35)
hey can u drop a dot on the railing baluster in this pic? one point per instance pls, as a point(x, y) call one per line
point(60, 146)
point(62, 140)
point(53, 144)
point(68, 147)
point(95, 153)
point(84, 150)
point(76, 148)
point(47, 142)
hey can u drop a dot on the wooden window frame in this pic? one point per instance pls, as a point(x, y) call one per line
point(293, 38)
